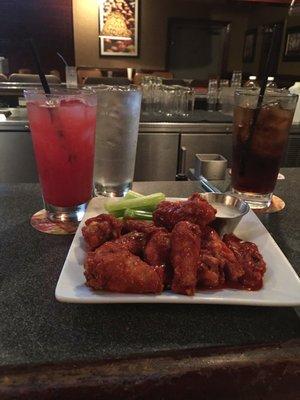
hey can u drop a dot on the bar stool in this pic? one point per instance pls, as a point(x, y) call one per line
point(138, 77)
point(180, 82)
point(55, 72)
point(24, 71)
point(163, 74)
point(107, 81)
point(86, 72)
point(199, 83)
point(32, 78)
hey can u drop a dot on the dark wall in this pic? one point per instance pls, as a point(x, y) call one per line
point(49, 22)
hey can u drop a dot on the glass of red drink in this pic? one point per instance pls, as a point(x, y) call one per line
point(63, 133)
point(259, 139)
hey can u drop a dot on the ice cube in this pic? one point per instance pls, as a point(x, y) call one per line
point(50, 103)
point(243, 119)
point(271, 131)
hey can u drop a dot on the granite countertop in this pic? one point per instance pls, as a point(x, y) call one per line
point(36, 329)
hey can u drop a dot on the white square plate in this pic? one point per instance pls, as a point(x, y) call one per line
point(281, 283)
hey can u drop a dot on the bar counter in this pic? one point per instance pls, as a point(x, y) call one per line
point(142, 351)
point(159, 142)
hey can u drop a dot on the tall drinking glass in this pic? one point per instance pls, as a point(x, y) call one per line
point(236, 79)
point(212, 95)
point(71, 77)
point(259, 139)
point(146, 86)
point(188, 101)
point(116, 138)
point(63, 133)
point(169, 100)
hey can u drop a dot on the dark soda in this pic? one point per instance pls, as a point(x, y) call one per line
point(257, 157)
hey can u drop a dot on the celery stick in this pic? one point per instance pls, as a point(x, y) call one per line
point(132, 195)
point(138, 214)
point(145, 201)
point(118, 213)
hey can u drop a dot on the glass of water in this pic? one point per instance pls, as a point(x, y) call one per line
point(117, 128)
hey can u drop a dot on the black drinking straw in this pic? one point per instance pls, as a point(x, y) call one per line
point(264, 80)
point(39, 67)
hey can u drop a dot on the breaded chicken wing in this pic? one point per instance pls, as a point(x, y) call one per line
point(98, 230)
point(195, 210)
point(122, 272)
point(185, 252)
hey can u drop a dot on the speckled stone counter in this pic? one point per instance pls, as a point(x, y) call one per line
point(36, 330)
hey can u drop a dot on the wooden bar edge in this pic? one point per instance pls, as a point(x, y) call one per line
point(256, 372)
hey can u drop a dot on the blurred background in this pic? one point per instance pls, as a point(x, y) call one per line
point(193, 39)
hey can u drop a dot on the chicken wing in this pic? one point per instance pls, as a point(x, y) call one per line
point(122, 272)
point(217, 262)
point(210, 271)
point(134, 242)
point(250, 259)
point(148, 228)
point(195, 210)
point(98, 230)
point(157, 253)
point(185, 252)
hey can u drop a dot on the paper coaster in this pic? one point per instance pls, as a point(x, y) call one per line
point(277, 205)
point(40, 222)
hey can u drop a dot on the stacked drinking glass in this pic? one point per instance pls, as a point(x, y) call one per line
point(166, 100)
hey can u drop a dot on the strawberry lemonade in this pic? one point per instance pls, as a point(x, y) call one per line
point(63, 133)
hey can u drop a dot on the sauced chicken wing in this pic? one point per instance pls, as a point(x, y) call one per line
point(210, 271)
point(148, 228)
point(123, 272)
point(180, 250)
point(157, 250)
point(195, 210)
point(251, 260)
point(98, 230)
point(217, 262)
point(157, 253)
point(134, 242)
point(185, 252)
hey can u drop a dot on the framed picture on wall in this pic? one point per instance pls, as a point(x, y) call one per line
point(119, 28)
point(292, 44)
point(249, 45)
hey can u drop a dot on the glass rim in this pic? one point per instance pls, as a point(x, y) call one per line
point(268, 93)
point(58, 92)
point(113, 88)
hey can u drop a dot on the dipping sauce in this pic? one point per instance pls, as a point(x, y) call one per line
point(224, 211)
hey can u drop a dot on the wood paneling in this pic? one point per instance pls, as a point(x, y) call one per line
point(49, 22)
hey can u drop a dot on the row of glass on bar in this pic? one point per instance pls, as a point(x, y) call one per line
point(222, 97)
point(166, 100)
